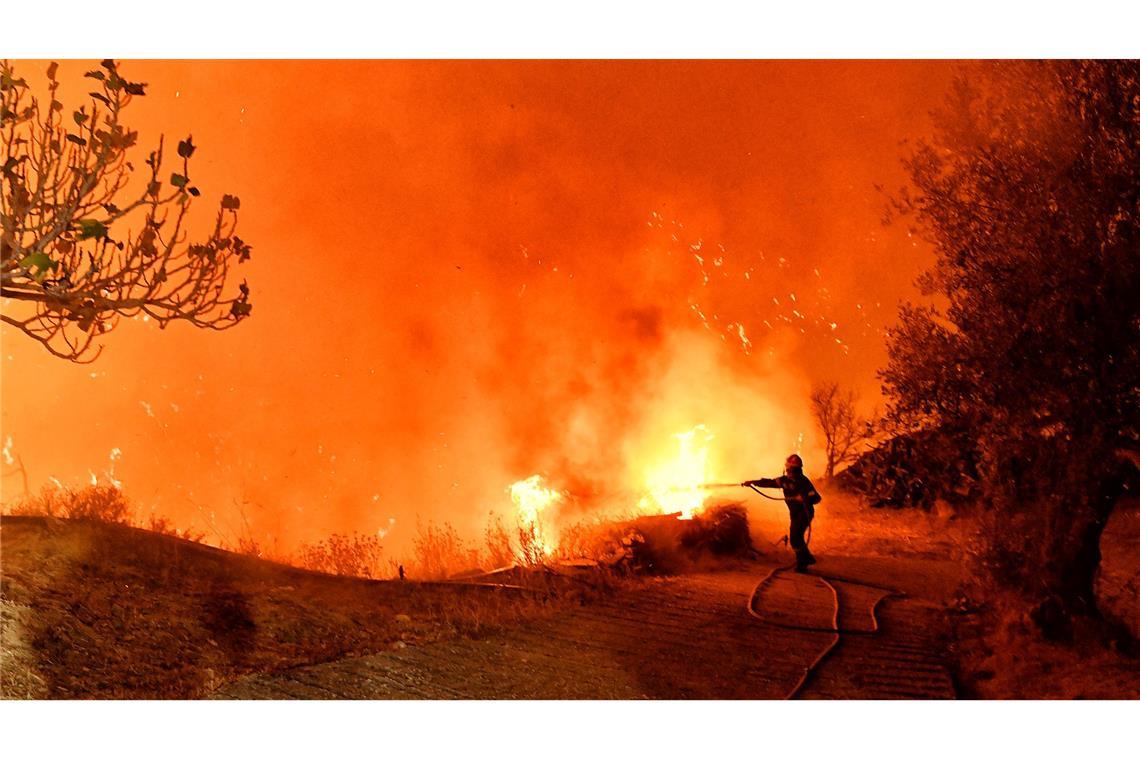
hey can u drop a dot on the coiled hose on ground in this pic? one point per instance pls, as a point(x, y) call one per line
point(838, 632)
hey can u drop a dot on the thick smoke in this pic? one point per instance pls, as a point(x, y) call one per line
point(468, 273)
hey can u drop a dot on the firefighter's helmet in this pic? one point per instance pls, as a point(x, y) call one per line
point(794, 460)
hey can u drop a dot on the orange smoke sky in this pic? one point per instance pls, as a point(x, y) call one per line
point(467, 272)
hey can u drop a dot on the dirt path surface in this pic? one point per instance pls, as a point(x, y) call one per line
point(685, 637)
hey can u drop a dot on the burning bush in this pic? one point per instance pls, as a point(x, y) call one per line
point(721, 531)
point(525, 545)
point(662, 543)
point(533, 548)
point(94, 502)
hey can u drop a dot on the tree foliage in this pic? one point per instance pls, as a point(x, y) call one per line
point(1029, 192)
point(87, 237)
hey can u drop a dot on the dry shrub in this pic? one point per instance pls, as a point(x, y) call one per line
point(604, 543)
point(105, 503)
point(163, 526)
point(498, 550)
point(503, 547)
point(532, 551)
point(249, 546)
point(721, 530)
point(439, 552)
point(357, 555)
point(661, 543)
point(94, 502)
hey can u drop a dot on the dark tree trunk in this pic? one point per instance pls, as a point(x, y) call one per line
point(1052, 499)
point(1068, 573)
point(1070, 556)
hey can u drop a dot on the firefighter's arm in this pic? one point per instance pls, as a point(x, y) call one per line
point(762, 483)
point(813, 496)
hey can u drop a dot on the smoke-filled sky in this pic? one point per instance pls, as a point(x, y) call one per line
point(468, 272)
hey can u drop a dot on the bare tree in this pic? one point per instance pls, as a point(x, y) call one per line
point(84, 241)
point(843, 429)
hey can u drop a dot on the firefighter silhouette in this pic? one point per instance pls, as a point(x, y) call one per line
point(801, 497)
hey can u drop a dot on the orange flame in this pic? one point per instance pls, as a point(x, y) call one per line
point(675, 484)
point(672, 485)
point(531, 499)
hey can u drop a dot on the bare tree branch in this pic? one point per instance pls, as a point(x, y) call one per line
point(844, 431)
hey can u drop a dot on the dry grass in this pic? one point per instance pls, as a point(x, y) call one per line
point(94, 502)
point(104, 610)
point(356, 555)
point(999, 653)
point(845, 524)
point(439, 553)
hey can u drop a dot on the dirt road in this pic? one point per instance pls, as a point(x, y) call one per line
point(685, 637)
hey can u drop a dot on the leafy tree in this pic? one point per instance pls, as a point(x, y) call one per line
point(1029, 191)
point(85, 241)
point(843, 429)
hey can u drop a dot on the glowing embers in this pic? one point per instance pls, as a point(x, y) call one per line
point(531, 499)
point(674, 485)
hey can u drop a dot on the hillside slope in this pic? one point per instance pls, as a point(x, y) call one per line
point(98, 610)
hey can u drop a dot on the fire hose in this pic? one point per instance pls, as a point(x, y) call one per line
point(807, 538)
point(826, 581)
point(835, 630)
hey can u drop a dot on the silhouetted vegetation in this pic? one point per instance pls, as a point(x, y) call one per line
point(94, 502)
point(914, 470)
point(844, 430)
point(721, 531)
point(439, 552)
point(84, 241)
point(355, 555)
point(1030, 194)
